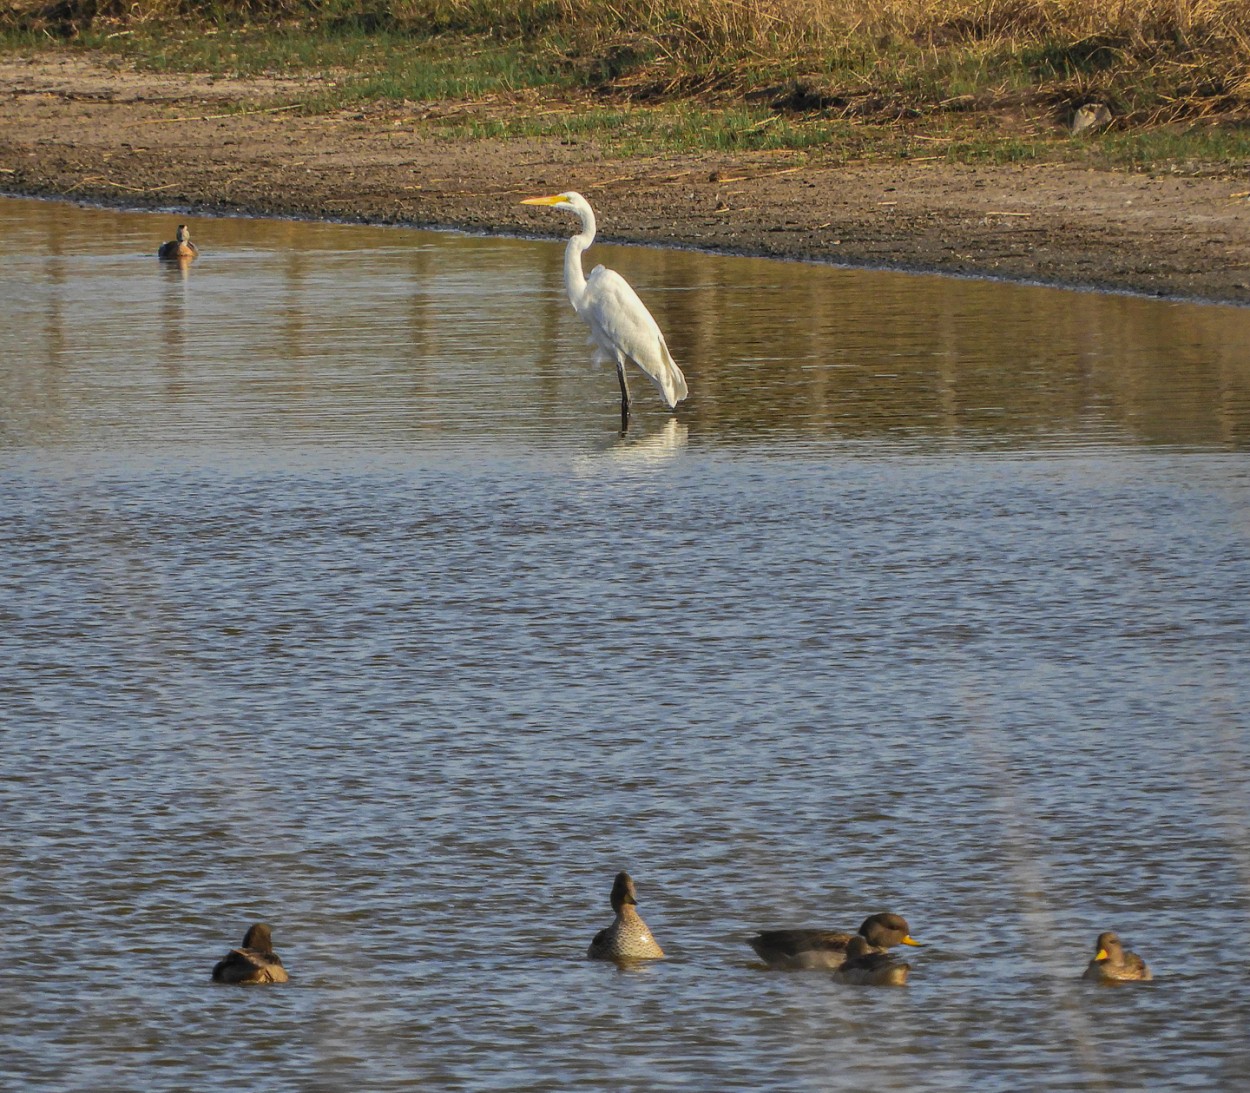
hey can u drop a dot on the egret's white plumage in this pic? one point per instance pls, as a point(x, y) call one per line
point(620, 324)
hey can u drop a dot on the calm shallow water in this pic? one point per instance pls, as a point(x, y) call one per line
point(331, 595)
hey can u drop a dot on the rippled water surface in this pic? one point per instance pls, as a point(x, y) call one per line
point(332, 595)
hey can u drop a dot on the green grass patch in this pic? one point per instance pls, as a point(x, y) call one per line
point(670, 127)
point(363, 66)
point(1189, 149)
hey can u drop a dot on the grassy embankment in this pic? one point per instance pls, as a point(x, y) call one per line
point(965, 79)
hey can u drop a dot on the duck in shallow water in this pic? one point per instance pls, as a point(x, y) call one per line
point(827, 948)
point(254, 962)
point(869, 967)
point(180, 246)
point(628, 938)
point(1112, 964)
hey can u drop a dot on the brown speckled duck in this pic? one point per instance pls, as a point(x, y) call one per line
point(628, 938)
point(255, 962)
point(180, 246)
point(827, 948)
point(1112, 964)
point(869, 967)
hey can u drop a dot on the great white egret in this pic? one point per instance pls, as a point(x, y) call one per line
point(180, 246)
point(620, 324)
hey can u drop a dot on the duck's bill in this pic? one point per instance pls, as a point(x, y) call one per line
point(1101, 955)
point(554, 199)
point(909, 940)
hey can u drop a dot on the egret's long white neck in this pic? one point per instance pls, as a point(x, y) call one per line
point(574, 278)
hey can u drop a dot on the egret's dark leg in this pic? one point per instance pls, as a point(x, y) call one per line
point(620, 375)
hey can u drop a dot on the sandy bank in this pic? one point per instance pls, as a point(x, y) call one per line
point(72, 128)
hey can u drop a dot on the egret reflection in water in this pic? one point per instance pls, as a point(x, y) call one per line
point(639, 448)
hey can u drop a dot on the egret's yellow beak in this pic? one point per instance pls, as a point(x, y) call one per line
point(1102, 955)
point(909, 940)
point(554, 199)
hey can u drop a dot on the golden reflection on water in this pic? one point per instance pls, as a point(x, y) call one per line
point(876, 354)
point(290, 330)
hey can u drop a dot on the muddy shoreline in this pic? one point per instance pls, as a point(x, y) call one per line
point(74, 129)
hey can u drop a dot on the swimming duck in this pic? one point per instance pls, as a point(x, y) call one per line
point(628, 938)
point(255, 962)
point(827, 948)
point(1111, 964)
point(869, 967)
point(180, 246)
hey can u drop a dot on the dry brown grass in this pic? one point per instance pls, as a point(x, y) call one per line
point(1153, 59)
point(771, 26)
point(768, 26)
point(1184, 57)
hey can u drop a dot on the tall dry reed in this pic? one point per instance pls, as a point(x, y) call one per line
point(1194, 54)
point(768, 26)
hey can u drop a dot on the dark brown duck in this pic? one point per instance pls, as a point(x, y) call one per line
point(1112, 963)
point(827, 948)
point(180, 246)
point(254, 962)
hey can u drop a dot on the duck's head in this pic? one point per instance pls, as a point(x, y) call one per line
point(886, 930)
point(258, 937)
point(623, 892)
point(1109, 948)
point(858, 946)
